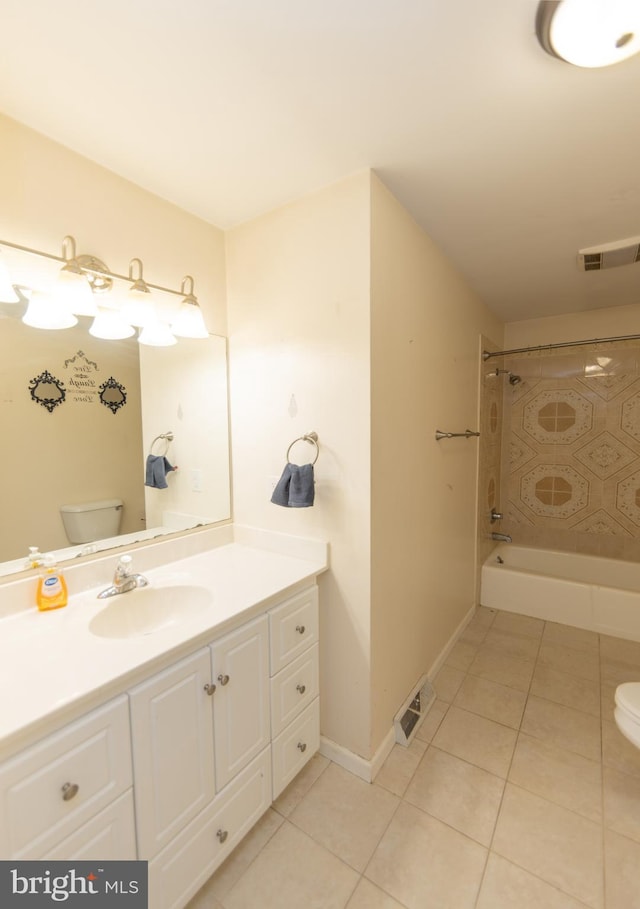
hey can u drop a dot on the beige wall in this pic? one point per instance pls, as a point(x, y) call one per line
point(298, 286)
point(577, 326)
point(425, 340)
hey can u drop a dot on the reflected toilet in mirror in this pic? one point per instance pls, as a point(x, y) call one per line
point(92, 521)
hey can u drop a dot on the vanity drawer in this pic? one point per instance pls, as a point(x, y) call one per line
point(293, 627)
point(179, 870)
point(295, 746)
point(293, 688)
point(49, 790)
point(107, 837)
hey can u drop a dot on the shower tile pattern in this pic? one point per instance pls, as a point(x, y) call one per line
point(515, 793)
point(570, 476)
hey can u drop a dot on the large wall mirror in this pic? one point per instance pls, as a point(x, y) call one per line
point(80, 418)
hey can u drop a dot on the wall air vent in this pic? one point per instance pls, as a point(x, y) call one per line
point(408, 719)
point(610, 255)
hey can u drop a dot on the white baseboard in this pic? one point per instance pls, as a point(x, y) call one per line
point(367, 769)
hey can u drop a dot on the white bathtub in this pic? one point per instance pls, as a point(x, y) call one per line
point(586, 591)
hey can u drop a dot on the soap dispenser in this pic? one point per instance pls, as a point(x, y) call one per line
point(34, 559)
point(52, 587)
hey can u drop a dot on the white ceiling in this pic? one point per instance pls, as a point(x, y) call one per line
point(510, 159)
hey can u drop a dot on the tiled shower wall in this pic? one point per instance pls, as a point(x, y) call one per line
point(570, 465)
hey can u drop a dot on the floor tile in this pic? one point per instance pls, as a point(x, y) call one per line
point(622, 864)
point(562, 726)
point(291, 872)
point(518, 646)
point(298, 788)
point(368, 896)
point(576, 638)
point(618, 650)
point(484, 615)
point(580, 663)
point(491, 700)
point(622, 803)
point(618, 752)
point(447, 682)
point(482, 742)
point(518, 624)
point(561, 847)
point(505, 886)
point(396, 772)
point(497, 666)
point(425, 864)
point(561, 776)
point(461, 655)
point(474, 634)
point(458, 793)
point(569, 690)
point(346, 815)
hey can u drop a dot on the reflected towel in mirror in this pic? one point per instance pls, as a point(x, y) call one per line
point(295, 488)
point(157, 469)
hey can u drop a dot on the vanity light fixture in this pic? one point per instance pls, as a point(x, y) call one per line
point(72, 289)
point(589, 33)
point(7, 291)
point(85, 286)
point(189, 322)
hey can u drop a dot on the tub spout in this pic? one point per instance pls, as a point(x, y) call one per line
point(502, 537)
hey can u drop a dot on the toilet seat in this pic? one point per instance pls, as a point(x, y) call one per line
point(627, 712)
point(628, 699)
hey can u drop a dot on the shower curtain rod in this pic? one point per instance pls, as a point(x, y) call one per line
point(487, 354)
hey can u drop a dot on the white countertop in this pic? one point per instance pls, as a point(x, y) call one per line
point(53, 667)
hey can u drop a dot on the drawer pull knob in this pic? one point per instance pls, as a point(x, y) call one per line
point(223, 679)
point(69, 791)
point(301, 688)
point(302, 746)
point(300, 629)
point(210, 687)
point(222, 835)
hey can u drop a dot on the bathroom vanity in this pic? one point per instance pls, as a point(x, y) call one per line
point(166, 735)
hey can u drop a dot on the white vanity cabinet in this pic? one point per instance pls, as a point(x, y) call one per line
point(70, 794)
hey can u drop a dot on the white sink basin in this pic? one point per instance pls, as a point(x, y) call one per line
point(149, 609)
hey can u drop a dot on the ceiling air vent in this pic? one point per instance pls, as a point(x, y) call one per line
point(610, 255)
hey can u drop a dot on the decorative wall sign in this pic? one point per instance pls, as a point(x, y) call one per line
point(47, 390)
point(113, 395)
point(83, 387)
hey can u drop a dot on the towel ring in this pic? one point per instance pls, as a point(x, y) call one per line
point(166, 437)
point(312, 439)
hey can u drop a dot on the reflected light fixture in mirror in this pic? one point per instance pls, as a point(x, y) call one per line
point(589, 33)
point(7, 291)
point(45, 311)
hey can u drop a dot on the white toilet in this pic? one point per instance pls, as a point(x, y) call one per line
point(627, 712)
point(92, 520)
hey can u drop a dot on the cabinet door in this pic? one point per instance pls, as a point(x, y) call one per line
point(240, 663)
point(173, 767)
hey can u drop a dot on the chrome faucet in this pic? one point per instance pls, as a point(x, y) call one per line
point(502, 537)
point(123, 579)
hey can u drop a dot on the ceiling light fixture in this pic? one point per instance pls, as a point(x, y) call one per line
point(85, 286)
point(589, 33)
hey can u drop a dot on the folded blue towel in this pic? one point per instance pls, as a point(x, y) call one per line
point(296, 487)
point(157, 469)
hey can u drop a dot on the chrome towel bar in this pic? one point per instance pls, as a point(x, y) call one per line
point(455, 435)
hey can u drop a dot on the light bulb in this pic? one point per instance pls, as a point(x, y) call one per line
point(44, 311)
point(109, 325)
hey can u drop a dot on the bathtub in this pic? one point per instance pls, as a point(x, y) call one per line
point(590, 592)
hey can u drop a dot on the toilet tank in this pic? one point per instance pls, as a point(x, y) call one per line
point(91, 521)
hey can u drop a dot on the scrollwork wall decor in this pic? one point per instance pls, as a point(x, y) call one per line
point(45, 389)
point(113, 395)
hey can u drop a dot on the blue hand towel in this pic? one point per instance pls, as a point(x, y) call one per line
point(295, 488)
point(157, 469)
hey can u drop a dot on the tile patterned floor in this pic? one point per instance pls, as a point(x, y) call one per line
point(518, 793)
